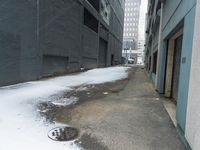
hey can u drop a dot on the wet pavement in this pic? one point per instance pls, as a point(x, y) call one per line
point(125, 115)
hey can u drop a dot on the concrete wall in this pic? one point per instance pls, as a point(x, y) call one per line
point(60, 35)
point(177, 15)
point(47, 37)
point(185, 68)
point(90, 48)
point(193, 111)
point(182, 8)
point(20, 58)
point(174, 12)
point(116, 32)
point(184, 12)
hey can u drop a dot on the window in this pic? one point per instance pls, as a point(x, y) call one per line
point(90, 21)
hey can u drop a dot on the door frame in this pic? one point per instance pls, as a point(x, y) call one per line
point(170, 62)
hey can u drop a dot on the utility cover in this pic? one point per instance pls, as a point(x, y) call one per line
point(63, 134)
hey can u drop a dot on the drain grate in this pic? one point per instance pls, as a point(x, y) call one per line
point(63, 134)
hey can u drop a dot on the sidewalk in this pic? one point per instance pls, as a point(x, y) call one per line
point(126, 115)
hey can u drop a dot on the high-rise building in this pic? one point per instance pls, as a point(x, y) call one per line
point(131, 24)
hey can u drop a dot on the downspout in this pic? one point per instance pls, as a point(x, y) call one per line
point(157, 82)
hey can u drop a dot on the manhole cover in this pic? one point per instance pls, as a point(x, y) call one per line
point(63, 134)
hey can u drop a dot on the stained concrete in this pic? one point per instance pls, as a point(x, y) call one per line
point(170, 106)
point(130, 117)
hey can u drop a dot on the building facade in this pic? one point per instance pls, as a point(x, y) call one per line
point(47, 37)
point(172, 60)
point(131, 23)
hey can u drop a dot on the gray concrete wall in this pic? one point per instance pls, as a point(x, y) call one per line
point(90, 48)
point(48, 37)
point(20, 58)
point(57, 38)
point(60, 35)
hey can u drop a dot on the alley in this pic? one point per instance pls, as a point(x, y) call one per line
point(100, 75)
point(126, 115)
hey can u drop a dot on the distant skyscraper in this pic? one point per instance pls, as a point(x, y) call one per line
point(131, 23)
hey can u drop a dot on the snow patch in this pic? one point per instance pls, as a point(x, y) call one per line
point(65, 101)
point(22, 126)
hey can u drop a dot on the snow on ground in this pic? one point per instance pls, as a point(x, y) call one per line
point(65, 101)
point(22, 128)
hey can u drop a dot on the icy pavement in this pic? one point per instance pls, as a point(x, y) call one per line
point(21, 125)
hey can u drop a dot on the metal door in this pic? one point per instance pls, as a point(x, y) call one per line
point(176, 66)
point(102, 52)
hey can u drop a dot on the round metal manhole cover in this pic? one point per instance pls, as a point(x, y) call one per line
point(63, 134)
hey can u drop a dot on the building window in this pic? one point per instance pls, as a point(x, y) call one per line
point(90, 21)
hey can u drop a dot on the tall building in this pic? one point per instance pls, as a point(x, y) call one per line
point(41, 38)
point(131, 24)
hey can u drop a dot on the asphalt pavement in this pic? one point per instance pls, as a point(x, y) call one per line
point(125, 115)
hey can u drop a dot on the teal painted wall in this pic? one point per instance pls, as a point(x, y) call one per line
point(185, 68)
point(181, 10)
point(163, 57)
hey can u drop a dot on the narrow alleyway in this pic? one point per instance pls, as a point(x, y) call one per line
point(126, 115)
